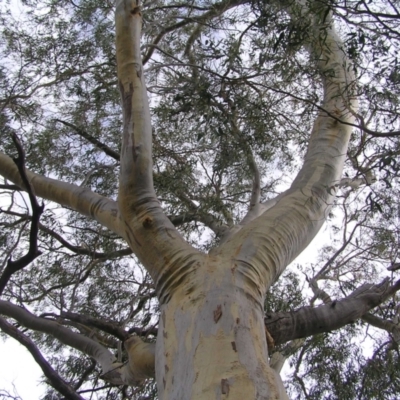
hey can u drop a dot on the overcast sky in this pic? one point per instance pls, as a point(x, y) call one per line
point(18, 368)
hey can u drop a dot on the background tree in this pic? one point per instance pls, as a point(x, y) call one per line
point(235, 89)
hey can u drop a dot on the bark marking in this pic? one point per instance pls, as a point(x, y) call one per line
point(224, 386)
point(131, 235)
point(163, 317)
point(270, 339)
point(234, 346)
point(136, 10)
point(94, 208)
point(126, 98)
point(147, 223)
point(217, 313)
point(134, 148)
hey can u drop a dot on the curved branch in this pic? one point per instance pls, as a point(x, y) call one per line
point(84, 251)
point(307, 321)
point(37, 210)
point(117, 373)
point(388, 326)
point(217, 9)
point(361, 125)
point(269, 243)
point(106, 326)
point(54, 379)
point(82, 200)
point(88, 346)
point(149, 232)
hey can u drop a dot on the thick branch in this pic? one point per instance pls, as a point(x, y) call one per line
point(10, 187)
point(80, 199)
point(88, 346)
point(148, 231)
point(269, 243)
point(308, 321)
point(388, 326)
point(54, 379)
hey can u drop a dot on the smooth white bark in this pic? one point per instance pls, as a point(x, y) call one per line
point(80, 199)
point(267, 244)
point(149, 232)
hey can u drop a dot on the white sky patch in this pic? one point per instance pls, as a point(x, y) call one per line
point(19, 372)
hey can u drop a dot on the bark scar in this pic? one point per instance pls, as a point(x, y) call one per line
point(217, 313)
point(135, 10)
point(147, 223)
point(234, 346)
point(224, 386)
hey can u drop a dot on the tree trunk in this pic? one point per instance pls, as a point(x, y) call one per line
point(211, 342)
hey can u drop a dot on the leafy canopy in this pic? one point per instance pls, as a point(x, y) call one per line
point(233, 94)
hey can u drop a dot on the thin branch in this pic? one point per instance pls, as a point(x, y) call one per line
point(107, 150)
point(84, 251)
point(54, 379)
point(217, 10)
point(85, 374)
point(10, 187)
point(37, 210)
point(362, 125)
point(110, 327)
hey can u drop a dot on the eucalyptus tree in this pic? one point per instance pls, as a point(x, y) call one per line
point(186, 154)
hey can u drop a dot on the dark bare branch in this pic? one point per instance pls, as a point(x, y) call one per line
point(54, 379)
point(84, 251)
point(10, 187)
point(37, 210)
point(217, 9)
point(81, 132)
